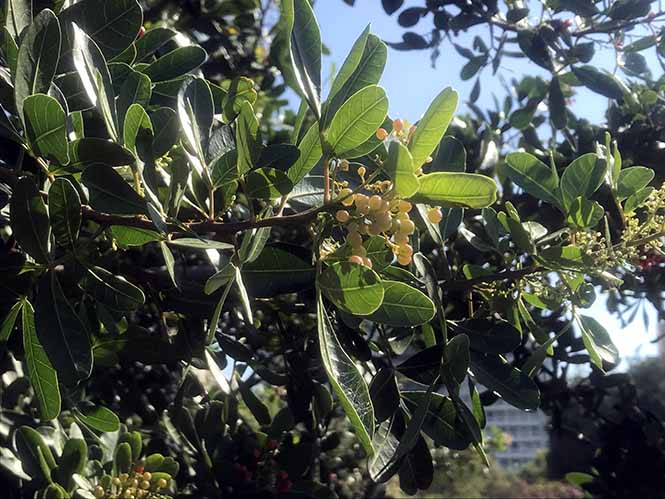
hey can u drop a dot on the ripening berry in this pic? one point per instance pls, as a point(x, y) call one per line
point(359, 251)
point(145, 484)
point(401, 238)
point(344, 165)
point(428, 160)
point(354, 239)
point(385, 205)
point(434, 215)
point(346, 196)
point(374, 229)
point(342, 216)
point(403, 259)
point(123, 477)
point(405, 250)
point(367, 262)
point(381, 134)
point(398, 125)
point(161, 483)
point(407, 227)
point(147, 476)
point(404, 206)
point(141, 32)
point(361, 171)
point(375, 203)
point(363, 229)
point(98, 491)
point(356, 259)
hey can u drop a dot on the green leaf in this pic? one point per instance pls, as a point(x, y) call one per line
point(362, 67)
point(8, 323)
point(45, 127)
point(384, 444)
point(176, 63)
point(165, 122)
point(64, 211)
point(403, 306)
point(112, 291)
point(151, 41)
point(633, 179)
point(169, 262)
point(113, 25)
point(451, 156)
point(29, 220)
point(236, 93)
point(277, 270)
point(224, 171)
point(442, 423)
point(514, 386)
point(267, 183)
point(36, 457)
point(384, 393)
point(110, 193)
point(357, 119)
point(201, 244)
point(72, 460)
point(585, 214)
point(254, 404)
point(37, 58)
point(95, 77)
point(456, 363)
point(310, 154)
point(353, 288)
point(122, 460)
point(452, 189)
point(98, 418)
point(399, 167)
point(62, 333)
point(533, 176)
point(570, 257)
point(636, 200)
point(90, 151)
point(423, 366)
point(629, 9)
point(135, 89)
point(490, 336)
point(214, 283)
point(137, 125)
point(43, 378)
point(17, 16)
point(432, 126)
point(598, 342)
point(582, 178)
point(196, 113)
point(220, 278)
point(346, 380)
point(598, 81)
point(247, 138)
point(302, 38)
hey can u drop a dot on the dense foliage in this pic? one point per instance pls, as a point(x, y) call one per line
point(181, 274)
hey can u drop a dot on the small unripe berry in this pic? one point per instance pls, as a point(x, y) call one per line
point(147, 476)
point(404, 206)
point(356, 259)
point(375, 202)
point(401, 238)
point(381, 134)
point(342, 216)
point(360, 251)
point(428, 160)
point(145, 484)
point(354, 239)
point(434, 215)
point(161, 483)
point(398, 125)
point(407, 227)
point(375, 229)
point(346, 197)
point(405, 250)
point(403, 259)
point(98, 491)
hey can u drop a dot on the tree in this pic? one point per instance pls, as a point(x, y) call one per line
point(147, 220)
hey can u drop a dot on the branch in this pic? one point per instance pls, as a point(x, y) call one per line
point(512, 275)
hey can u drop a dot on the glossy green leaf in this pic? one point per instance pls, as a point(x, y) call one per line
point(137, 127)
point(432, 126)
point(514, 386)
point(112, 291)
point(441, 423)
point(43, 378)
point(151, 41)
point(9, 321)
point(135, 89)
point(637, 199)
point(357, 119)
point(254, 404)
point(196, 112)
point(533, 176)
point(110, 193)
point(236, 93)
point(247, 138)
point(310, 154)
point(45, 128)
point(302, 38)
point(90, 151)
point(64, 211)
point(384, 393)
point(36, 456)
point(29, 220)
point(456, 363)
point(582, 178)
point(72, 460)
point(220, 278)
point(585, 214)
point(62, 333)
point(399, 167)
point(384, 444)
point(346, 380)
point(277, 270)
point(598, 342)
point(403, 306)
point(17, 16)
point(599, 81)
point(200, 244)
point(224, 171)
point(41, 42)
point(451, 156)
point(176, 63)
point(267, 183)
point(633, 179)
point(98, 418)
point(362, 67)
point(452, 189)
point(95, 77)
point(113, 25)
point(490, 336)
point(353, 288)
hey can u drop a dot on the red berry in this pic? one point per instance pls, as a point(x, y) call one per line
point(139, 468)
point(272, 444)
point(284, 487)
point(141, 32)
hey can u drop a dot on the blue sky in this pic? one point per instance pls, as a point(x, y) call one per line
point(411, 83)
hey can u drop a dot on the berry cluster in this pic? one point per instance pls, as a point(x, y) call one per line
point(138, 484)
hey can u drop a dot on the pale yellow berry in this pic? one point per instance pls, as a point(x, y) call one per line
point(161, 483)
point(98, 491)
point(115, 481)
point(401, 238)
point(407, 227)
point(428, 160)
point(434, 215)
point(403, 259)
point(123, 477)
point(342, 216)
point(375, 203)
point(385, 205)
point(361, 171)
point(404, 206)
point(346, 197)
point(356, 259)
point(405, 250)
point(147, 476)
point(145, 484)
point(367, 262)
point(381, 134)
